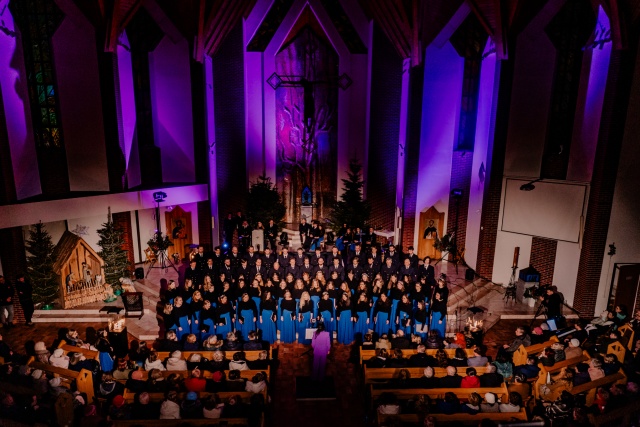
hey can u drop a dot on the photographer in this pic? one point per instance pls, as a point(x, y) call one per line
point(552, 302)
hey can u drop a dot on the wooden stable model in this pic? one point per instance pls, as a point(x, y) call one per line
point(80, 269)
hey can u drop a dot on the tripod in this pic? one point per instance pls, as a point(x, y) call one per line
point(541, 310)
point(164, 262)
point(161, 255)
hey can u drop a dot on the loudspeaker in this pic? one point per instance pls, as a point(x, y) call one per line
point(469, 274)
point(139, 273)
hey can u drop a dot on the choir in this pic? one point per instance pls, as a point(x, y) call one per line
point(254, 292)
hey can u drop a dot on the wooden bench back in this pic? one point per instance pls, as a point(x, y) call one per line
point(521, 354)
point(438, 393)
point(374, 374)
point(251, 354)
point(247, 374)
point(466, 419)
point(592, 386)
point(82, 379)
point(366, 354)
point(618, 349)
point(88, 354)
point(191, 422)
point(627, 335)
point(544, 370)
point(129, 396)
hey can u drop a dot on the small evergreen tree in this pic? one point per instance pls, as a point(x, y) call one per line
point(46, 285)
point(116, 262)
point(264, 203)
point(352, 209)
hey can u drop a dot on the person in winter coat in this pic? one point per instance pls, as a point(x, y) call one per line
point(176, 362)
point(170, 409)
point(153, 362)
point(59, 359)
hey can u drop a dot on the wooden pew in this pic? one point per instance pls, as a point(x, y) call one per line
point(591, 387)
point(618, 349)
point(521, 354)
point(624, 416)
point(251, 354)
point(88, 354)
point(438, 393)
point(248, 374)
point(627, 336)
point(366, 354)
point(466, 419)
point(82, 379)
point(129, 396)
point(379, 375)
point(544, 370)
point(192, 422)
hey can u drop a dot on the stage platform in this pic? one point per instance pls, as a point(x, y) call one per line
point(478, 300)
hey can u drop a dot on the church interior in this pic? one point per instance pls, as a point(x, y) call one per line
point(484, 148)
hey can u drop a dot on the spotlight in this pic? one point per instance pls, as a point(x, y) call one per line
point(457, 193)
point(159, 196)
point(225, 245)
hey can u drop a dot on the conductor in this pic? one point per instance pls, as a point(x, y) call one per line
point(321, 344)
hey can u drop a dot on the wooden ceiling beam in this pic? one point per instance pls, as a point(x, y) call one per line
point(618, 26)
point(225, 13)
point(401, 25)
point(238, 13)
point(389, 29)
point(117, 14)
point(501, 31)
point(483, 20)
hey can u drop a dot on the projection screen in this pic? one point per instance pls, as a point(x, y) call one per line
point(552, 210)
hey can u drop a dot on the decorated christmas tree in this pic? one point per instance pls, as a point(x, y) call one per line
point(116, 262)
point(351, 209)
point(40, 265)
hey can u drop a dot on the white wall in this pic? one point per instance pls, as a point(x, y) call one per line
point(505, 244)
point(170, 80)
point(624, 227)
point(443, 72)
point(565, 271)
point(487, 102)
point(74, 43)
point(531, 96)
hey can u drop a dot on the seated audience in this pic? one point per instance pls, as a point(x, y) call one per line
point(452, 379)
point(471, 380)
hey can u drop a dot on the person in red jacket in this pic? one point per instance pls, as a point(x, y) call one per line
point(471, 380)
point(195, 382)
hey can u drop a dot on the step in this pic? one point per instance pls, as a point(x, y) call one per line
point(467, 295)
point(71, 315)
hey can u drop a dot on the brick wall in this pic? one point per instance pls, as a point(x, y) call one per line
point(614, 114)
point(122, 220)
point(412, 154)
point(228, 88)
point(543, 258)
point(384, 128)
point(461, 163)
point(495, 171)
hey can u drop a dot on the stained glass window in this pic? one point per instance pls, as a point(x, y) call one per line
point(38, 21)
